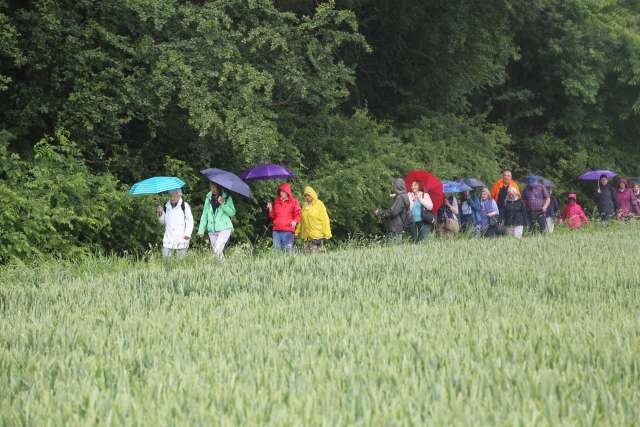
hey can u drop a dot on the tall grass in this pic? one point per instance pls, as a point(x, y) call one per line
point(543, 331)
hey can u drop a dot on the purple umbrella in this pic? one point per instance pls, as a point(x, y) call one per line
point(227, 180)
point(595, 175)
point(266, 171)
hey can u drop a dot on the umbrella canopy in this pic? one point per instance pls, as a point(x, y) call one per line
point(455, 187)
point(472, 182)
point(595, 175)
point(635, 180)
point(155, 185)
point(266, 171)
point(544, 181)
point(227, 180)
point(430, 184)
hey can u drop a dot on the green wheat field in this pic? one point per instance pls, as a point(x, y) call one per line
point(543, 331)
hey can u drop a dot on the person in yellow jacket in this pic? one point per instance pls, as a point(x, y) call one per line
point(314, 227)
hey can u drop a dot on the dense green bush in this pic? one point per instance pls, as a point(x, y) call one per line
point(54, 205)
point(347, 94)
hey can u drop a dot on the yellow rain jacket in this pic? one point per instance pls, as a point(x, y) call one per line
point(314, 222)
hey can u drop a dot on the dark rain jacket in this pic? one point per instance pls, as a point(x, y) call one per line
point(514, 213)
point(606, 200)
point(398, 217)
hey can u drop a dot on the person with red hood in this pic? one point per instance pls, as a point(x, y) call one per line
point(573, 215)
point(284, 214)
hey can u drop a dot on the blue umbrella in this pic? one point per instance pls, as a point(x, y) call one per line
point(455, 187)
point(155, 185)
point(227, 180)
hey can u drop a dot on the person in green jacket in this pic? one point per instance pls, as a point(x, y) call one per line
point(216, 218)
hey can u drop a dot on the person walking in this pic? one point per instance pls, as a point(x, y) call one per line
point(605, 199)
point(572, 215)
point(488, 213)
point(536, 198)
point(216, 219)
point(626, 201)
point(399, 217)
point(469, 216)
point(515, 215)
point(177, 219)
point(284, 214)
point(448, 223)
point(636, 193)
point(553, 211)
point(314, 228)
point(499, 191)
point(421, 209)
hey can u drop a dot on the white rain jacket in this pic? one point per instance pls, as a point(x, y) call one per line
point(177, 224)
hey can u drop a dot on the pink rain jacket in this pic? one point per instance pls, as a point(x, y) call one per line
point(574, 216)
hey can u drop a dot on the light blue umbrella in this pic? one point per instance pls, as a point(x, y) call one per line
point(155, 185)
point(455, 187)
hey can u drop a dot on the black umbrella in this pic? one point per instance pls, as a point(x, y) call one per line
point(472, 182)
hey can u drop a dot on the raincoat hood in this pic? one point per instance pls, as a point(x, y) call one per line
point(310, 192)
point(286, 188)
point(285, 215)
point(398, 186)
point(314, 223)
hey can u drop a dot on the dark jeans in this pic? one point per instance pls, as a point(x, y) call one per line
point(537, 218)
point(420, 231)
point(467, 223)
point(490, 231)
point(312, 245)
point(606, 216)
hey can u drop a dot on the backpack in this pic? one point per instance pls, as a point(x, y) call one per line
point(448, 220)
point(164, 208)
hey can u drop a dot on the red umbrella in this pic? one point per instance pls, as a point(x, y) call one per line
point(429, 183)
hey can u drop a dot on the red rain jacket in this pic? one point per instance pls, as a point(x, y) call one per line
point(285, 212)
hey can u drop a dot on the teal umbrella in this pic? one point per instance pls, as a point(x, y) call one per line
point(155, 185)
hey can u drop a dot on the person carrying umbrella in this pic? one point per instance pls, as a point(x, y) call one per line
point(216, 218)
point(421, 207)
point(177, 219)
point(284, 214)
point(605, 198)
point(314, 227)
point(447, 216)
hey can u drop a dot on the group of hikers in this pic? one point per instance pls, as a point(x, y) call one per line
point(503, 210)
point(309, 222)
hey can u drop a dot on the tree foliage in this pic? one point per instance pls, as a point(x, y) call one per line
point(348, 94)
